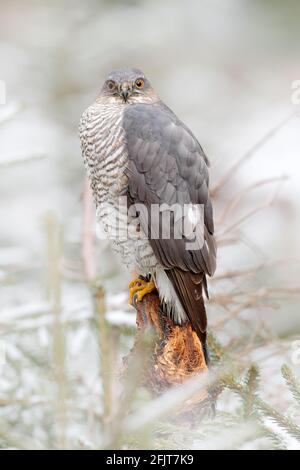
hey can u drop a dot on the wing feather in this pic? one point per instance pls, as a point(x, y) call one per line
point(167, 165)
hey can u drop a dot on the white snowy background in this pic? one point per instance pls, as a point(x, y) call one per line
point(227, 69)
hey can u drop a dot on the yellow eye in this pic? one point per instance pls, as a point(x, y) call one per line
point(139, 83)
point(111, 85)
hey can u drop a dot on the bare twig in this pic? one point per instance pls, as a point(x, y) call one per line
point(231, 274)
point(21, 159)
point(237, 199)
point(88, 233)
point(249, 154)
point(54, 254)
point(249, 214)
point(105, 351)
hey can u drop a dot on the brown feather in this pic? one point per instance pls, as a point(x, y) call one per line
point(189, 289)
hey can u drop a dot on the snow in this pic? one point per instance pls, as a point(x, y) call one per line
point(231, 87)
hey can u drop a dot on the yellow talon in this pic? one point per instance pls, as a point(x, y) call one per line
point(140, 287)
point(134, 283)
point(147, 289)
point(134, 286)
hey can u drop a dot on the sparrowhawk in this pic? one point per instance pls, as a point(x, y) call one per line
point(135, 147)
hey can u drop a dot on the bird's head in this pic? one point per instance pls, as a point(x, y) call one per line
point(127, 86)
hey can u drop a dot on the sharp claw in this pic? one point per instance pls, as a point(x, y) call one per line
point(137, 282)
point(138, 289)
point(134, 300)
point(133, 283)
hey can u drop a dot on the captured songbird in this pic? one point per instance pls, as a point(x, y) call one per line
point(135, 149)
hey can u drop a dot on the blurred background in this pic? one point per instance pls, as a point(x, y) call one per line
point(229, 70)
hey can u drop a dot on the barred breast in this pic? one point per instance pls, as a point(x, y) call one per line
point(103, 143)
point(103, 149)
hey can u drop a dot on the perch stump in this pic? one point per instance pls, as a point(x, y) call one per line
point(176, 354)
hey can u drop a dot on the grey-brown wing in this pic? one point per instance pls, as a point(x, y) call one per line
point(167, 166)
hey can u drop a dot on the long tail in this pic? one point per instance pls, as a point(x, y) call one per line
point(189, 289)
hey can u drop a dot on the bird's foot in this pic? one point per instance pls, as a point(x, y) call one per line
point(139, 287)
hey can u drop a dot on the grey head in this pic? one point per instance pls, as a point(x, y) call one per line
point(126, 86)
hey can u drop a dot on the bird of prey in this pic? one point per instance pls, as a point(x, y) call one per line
point(135, 147)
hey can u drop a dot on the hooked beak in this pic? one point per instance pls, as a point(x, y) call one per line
point(125, 90)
